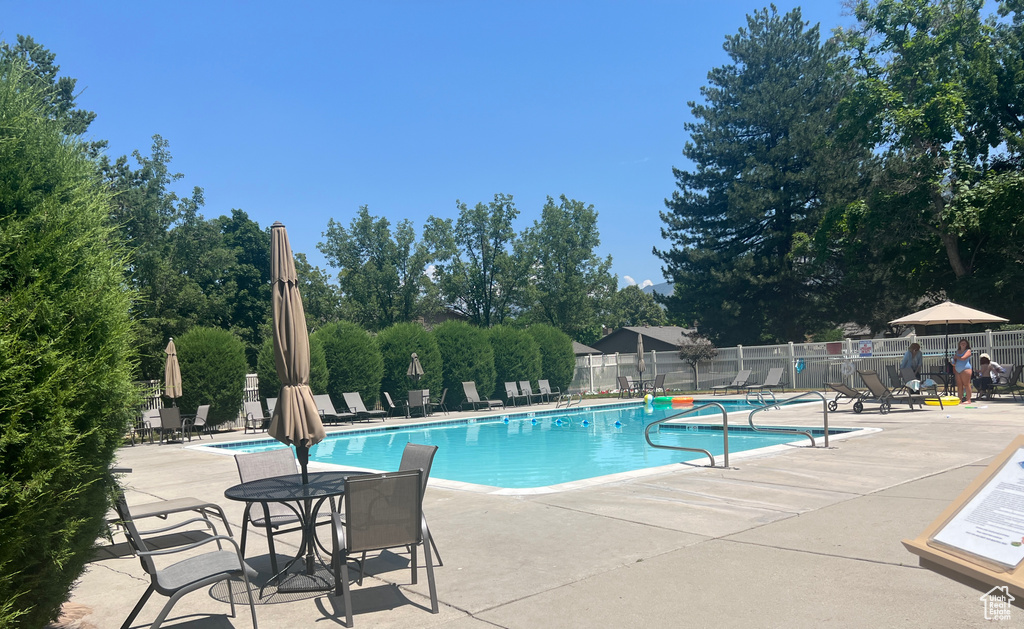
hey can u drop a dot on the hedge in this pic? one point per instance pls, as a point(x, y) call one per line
point(557, 358)
point(397, 345)
point(466, 355)
point(213, 368)
point(66, 356)
point(516, 356)
point(353, 362)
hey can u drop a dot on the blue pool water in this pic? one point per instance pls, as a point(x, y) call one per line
point(537, 449)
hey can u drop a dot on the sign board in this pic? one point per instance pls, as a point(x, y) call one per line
point(981, 533)
point(866, 348)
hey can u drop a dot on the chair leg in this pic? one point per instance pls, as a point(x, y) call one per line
point(430, 571)
point(138, 607)
point(346, 595)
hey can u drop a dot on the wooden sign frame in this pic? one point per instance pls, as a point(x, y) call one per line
point(954, 565)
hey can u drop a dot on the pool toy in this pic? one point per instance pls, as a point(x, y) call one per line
point(648, 398)
point(947, 400)
point(682, 400)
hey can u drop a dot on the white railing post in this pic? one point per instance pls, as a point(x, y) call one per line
point(590, 367)
point(792, 366)
point(989, 344)
point(739, 357)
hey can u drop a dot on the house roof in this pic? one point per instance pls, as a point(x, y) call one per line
point(660, 338)
point(580, 349)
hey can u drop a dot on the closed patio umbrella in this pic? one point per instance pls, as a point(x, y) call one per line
point(415, 370)
point(640, 366)
point(296, 418)
point(945, 313)
point(172, 373)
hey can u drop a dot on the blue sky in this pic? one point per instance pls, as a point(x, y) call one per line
point(301, 112)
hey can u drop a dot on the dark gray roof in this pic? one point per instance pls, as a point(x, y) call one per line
point(667, 333)
point(582, 349)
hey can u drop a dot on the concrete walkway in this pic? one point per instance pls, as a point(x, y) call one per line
point(804, 538)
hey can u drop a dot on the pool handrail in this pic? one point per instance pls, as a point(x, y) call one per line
point(568, 399)
point(725, 432)
point(778, 404)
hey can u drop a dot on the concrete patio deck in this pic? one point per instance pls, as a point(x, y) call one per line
point(805, 538)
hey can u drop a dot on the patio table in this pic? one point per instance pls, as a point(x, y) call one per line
point(305, 500)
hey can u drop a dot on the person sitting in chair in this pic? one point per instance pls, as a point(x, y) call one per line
point(988, 375)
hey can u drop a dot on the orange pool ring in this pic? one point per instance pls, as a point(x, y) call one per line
point(682, 400)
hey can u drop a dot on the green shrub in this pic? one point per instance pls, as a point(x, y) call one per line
point(516, 356)
point(266, 370)
point(213, 370)
point(66, 348)
point(353, 362)
point(466, 355)
point(557, 358)
point(397, 344)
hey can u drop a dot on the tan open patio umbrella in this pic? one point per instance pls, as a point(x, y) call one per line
point(415, 370)
point(172, 373)
point(296, 419)
point(945, 313)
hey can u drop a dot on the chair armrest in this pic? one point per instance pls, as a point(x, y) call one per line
point(176, 525)
point(178, 549)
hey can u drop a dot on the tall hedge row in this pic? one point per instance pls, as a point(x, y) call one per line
point(516, 356)
point(213, 368)
point(466, 355)
point(66, 351)
point(353, 361)
point(557, 358)
point(397, 344)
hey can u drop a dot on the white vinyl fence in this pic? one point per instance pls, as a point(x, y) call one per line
point(807, 365)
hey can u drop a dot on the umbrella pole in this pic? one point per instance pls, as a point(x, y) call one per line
point(302, 451)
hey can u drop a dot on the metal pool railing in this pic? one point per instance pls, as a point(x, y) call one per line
point(725, 432)
point(794, 431)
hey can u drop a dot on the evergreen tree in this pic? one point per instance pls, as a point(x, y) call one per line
point(766, 165)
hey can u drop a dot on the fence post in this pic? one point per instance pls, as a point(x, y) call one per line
point(739, 357)
point(792, 366)
point(590, 368)
point(617, 374)
point(989, 344)
point(654, 363)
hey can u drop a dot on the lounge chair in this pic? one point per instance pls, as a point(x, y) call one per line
point(196, 423)
point(907, 376)
point(527, 389)
point(440, 405)
point(269, 515)
point(474, 400)
point(738, 383)
point(327, 412)
point(626, 389)
point(354, 402)
point(843, 391)
point(512, 394)
point(545, 389)
point(885, 397)
point(381, 511)
point(254, 417)
point(187, 575)
point(772, 381)
point(896, 381)
point(271, 405)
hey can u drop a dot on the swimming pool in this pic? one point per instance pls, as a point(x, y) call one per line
point(540, 449)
